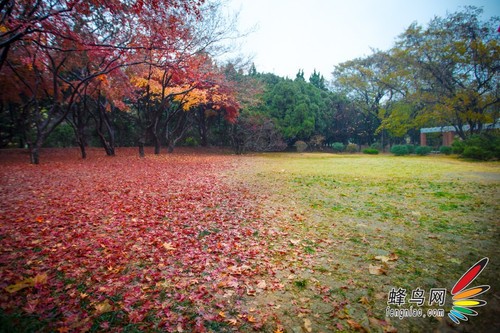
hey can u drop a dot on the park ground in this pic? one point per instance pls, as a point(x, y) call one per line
point(209, 241)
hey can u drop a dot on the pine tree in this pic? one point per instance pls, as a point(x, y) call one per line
point(253, 70)
point(300, 75)
point(317, 80)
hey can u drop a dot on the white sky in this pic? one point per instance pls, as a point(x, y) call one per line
point(319, 34)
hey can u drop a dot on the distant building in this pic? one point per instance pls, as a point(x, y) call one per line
point(449, 132)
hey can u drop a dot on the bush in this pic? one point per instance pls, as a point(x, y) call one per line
point(476, 153)
point(61, 137)
point(485, 146)
point(400, 150)
point(351, 148)
point(411, 149)
point(301, 146)
point(370, 151)
point(457, 147)
point(338, 147)
point(376, 146)
point(445, 150)
point(423, 150)
point(190, 142)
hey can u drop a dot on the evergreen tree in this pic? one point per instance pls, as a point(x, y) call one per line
point(253, 70)
point(300, 75)
point(317, 80)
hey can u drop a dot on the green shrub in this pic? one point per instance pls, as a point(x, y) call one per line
point(445, 150)
point(351, 148)
point(338, 147)
point(485, 146)
point(400, 150)
point(411, 149)
point(190, 142)
point(370, 151)
point(476, 153)
point(301, 146)
point(62, 136)
point(376, 145)
point(457, 147)
point(423, 150)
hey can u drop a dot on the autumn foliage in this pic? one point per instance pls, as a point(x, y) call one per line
point(168, 247)
point(71, 61)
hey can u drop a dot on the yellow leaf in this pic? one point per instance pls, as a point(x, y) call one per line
point(168, 246)
point(307, 325)
point(28, 282)
point(376, 270)
point(19, 285)
point(232, 322)
point(222, 314)
point(382, 258)
point(391, 257)
point(40, 279)
point(103, 307)
point(364, 300)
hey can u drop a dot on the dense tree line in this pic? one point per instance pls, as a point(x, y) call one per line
point(70, 77)
point(130, 68)
point(287, 111)
point(445, 74)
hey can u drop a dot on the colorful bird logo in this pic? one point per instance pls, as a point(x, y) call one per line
point(463, 299)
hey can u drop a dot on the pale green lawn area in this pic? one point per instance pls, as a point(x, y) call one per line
point(438, 215)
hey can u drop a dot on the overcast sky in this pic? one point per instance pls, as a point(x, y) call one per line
point(319, 34)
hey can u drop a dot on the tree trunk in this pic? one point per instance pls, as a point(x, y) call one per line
point(142, 141)
point(82, 150)
point(102, 119)
point(171, 146)
point(203, 128)
point(204, 139)
point(108, 147)
point(35, 153)
point(80, 137)
point(141, 151)
point(110, 150)
point(34, 156)
point(157, 144)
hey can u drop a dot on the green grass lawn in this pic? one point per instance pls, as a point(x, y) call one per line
point(433, 216)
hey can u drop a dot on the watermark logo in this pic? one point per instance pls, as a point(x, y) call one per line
point(463, 299)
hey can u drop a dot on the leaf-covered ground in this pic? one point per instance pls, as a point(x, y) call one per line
point(161, 243)
point(212, 242)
